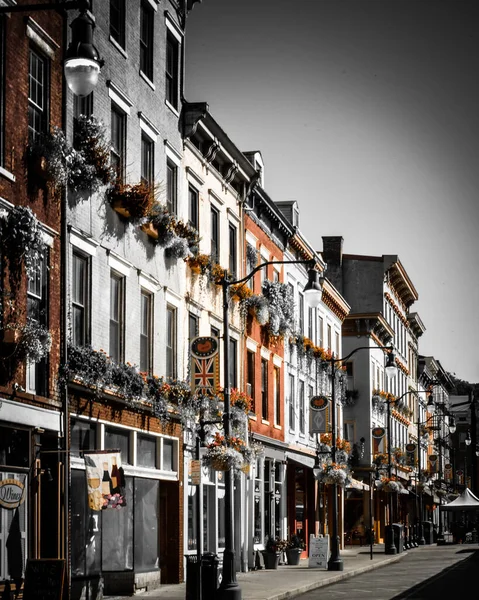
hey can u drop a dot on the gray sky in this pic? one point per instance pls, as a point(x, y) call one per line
point(367, 113)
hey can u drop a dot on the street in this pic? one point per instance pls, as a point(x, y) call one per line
point(418, 576)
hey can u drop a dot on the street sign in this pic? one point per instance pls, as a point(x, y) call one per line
point(195, 468)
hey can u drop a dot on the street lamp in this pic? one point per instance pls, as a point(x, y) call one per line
point(229, 588)
point(335, 562)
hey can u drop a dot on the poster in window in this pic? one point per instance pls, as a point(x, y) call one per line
point(105, 479)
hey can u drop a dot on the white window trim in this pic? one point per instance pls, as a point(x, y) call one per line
point(196, 179)
point(147, 126)
point(41, 38)
point(119, 97)
point(277, 361)
point(172, 153)
point(148, 283)
point(119, 264)
point(251, 239)
point(265, 353)
point(252, 345)
point(87, 245)
point(173, 28)
point(214, 196)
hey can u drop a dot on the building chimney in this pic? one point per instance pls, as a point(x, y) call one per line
point(333, 250)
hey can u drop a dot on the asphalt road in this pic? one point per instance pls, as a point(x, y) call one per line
point(447, 573)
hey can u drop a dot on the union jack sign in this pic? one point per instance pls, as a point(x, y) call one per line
point(204, 374)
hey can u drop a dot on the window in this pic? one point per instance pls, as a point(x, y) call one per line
point(193, 326)
point(310, 322)
point(147, 159)
point(146, 332)
point(250, 365)
point(83, 105)
point(292, 414)
point(117, 21)
point(171, 318)
point(116, 316)
point(37, 95)
point(193, 207)
point(320, 331)
point(264, 388)
point(83, 436)
point(233, 250)
point(233, 361)
point(118, 438)
point(80, 299)
point(336, 336)
point(277, 396)
point(329, 338)
point(146, 39)
point(171, 187)
point(301, 407)
point(172, 64)
point(118, 141)
point(146, 451)
point(37, 310)
point(301, 313)
point(215, 234)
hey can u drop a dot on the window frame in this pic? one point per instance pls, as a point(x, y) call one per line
point(233, 250)
point(120, 322)
point(171, 187)
point(118, 31)
point(172, 69)
point(147, 159)
point(41, 111)
point(302, 419)
point(38, 372)
point(84, 304)
point(147, 21)
point(193, 206)
point(264, 388)
point(118, 140)
point(277, 395)
point(215, 234)
point(146, 364)
point(171, 341)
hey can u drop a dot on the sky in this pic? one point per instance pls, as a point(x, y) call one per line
point(367, 113)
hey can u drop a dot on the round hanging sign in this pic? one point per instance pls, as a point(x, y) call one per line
point(204, 347)
point(410, 447)
point(318, 402)
point(433, 458)
point(378, 433)
point(11, 493)
point(448, 467)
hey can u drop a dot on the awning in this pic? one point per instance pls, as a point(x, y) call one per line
point(302, 459)
point(355, 484)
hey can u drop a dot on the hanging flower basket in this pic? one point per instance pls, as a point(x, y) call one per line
point(131, 201)
point(222, 458)
point(150, 230)
point(334, 473)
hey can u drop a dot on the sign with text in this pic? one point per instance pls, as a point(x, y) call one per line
point(318, 551)
point(195, 466)
point(44, 579)
point(12, 493)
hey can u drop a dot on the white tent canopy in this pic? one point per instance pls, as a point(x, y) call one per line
point(466, 501)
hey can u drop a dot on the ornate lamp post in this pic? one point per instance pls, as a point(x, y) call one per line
point(229, 588)
point(335, 562)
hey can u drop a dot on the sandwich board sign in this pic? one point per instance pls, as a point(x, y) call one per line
point(318, 551)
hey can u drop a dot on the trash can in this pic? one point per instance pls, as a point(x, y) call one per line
point(191, 576)
point(209, 575)
point(428, 531)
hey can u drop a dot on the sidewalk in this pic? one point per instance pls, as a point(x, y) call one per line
point(289, 581)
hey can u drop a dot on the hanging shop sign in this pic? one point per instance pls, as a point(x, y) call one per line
point(378, 433)
point(433, 458)
point(12, 493)
point(319, 402)
point(411, 448)
point(195, 471)
point(105, 479)
point(204, 346)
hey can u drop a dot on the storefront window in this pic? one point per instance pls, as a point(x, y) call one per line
point(146, 524)
point(13, 535)
point(83, 436)
point(117, 534)
point(14, 447)
point(168, 455)
point(146, 451)
point(118, 439)
point(86, 535)
point(192, 527)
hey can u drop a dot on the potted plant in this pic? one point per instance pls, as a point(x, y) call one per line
point(294, 549)
point(131, 201)
point(273, 549)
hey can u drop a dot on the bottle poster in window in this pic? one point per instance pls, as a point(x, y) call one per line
point(105, 479)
